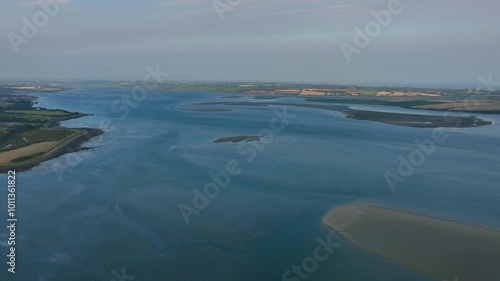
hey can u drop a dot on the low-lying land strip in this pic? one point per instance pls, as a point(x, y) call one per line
point(473, 105)
point(400, 119)
point(238, 139)
point(485, 101)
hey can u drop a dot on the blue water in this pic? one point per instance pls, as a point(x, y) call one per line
point(115, 206)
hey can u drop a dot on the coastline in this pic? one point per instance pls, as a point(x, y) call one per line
point(397, 119)
point(460, 250)
point(72, 143)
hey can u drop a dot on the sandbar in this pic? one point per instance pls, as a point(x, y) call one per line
point(441, 248)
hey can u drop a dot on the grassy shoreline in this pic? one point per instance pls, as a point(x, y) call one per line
point(30, 135)
point(72, 144)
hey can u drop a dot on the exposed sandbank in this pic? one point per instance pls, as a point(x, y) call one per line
point(441, 248)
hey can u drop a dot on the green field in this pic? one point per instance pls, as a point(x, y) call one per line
point(35, 136)
point(22, 126)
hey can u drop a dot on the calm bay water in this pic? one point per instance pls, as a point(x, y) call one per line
point(117, 208)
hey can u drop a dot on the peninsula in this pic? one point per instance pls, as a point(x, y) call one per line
point(30, 135)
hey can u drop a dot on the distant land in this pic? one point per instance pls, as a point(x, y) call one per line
point(479, 101)
point(30, 135)
point(400, 119)
point(460, 100)
point(464, 100)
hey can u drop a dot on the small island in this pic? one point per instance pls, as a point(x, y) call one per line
point(237, 139)
point(30, 135)
point(209, 110)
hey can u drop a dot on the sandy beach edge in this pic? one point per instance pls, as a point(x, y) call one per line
point(441, 248)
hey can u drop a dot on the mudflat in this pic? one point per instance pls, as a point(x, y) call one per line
point(399, 119)
point(441, 248)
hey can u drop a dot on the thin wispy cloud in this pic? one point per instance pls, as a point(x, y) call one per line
point(32, 4)
point(183, 3)
point(256, 8)
point(337, 8)
point(258, 40)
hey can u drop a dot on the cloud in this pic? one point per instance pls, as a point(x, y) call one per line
point(32, 4)
point(184, 3)
point(255, 8)
point(312, 10)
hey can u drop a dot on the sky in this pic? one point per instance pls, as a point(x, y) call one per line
point(425, 42)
